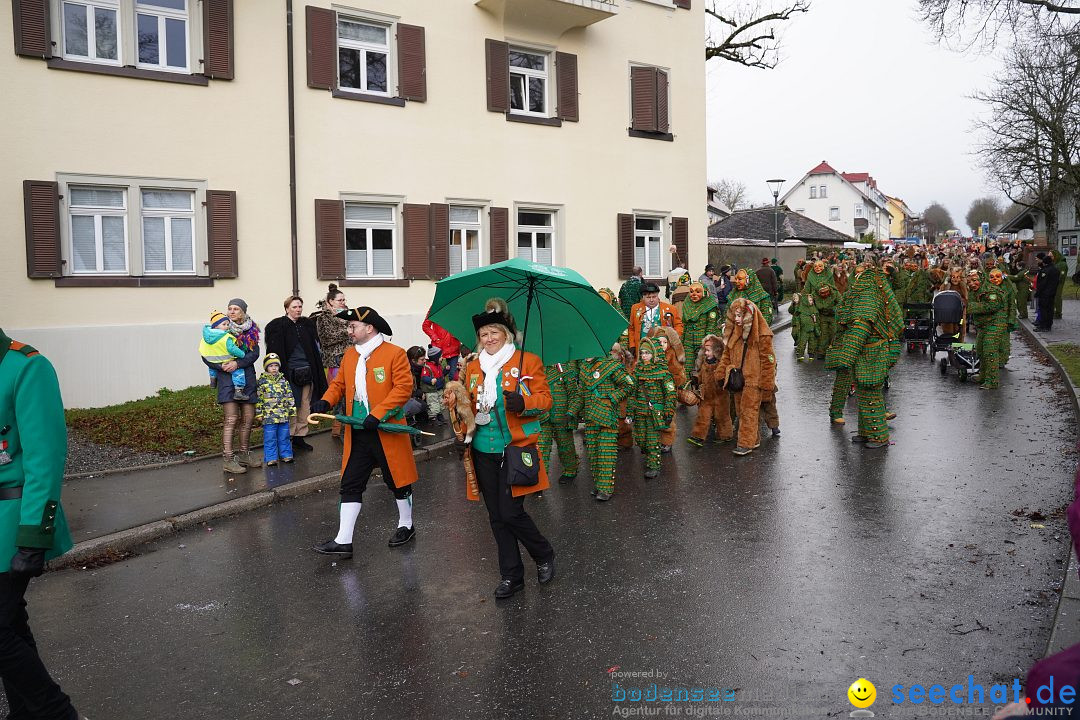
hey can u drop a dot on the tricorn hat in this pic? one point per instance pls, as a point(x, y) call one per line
point(366, 315)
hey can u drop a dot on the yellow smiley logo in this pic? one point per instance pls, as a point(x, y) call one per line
point(862, 693)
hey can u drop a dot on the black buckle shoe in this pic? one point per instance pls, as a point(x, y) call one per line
point(401, 536)
point(508, 588)
point(334, 548)
point(545, 571)
point(299, 443)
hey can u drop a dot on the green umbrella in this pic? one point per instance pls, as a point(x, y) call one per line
point(353, 421)
point(564, 317)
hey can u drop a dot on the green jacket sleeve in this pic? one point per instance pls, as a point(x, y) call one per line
point(622, 386)
point(844, 354)
point(39, 412)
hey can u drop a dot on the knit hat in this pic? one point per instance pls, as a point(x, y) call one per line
point(239, 303)
point(271, 359)
point(216, 317)
point(434, 353)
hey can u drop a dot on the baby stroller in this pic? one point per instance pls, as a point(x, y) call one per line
point(948, 308)
point(918, 326)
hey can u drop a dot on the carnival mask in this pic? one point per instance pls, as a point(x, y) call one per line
point(973, 281)
point(996, 277)
point(741, 280)
point(819, 267)
point(696, 292)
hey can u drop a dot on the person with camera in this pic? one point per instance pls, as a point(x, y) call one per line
point(295, 339)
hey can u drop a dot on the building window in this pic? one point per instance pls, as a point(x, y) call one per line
point(813, 192)
point(536, 236)
point(834, 213)
point(369, 240)
point(363, 56)
point(464, 238)
point(528, 82)
point(823, 191)
point(648, 245)
point(98, 218)
point(162, 32)
point(858, 210)
point(91, 31)
point(168, 229)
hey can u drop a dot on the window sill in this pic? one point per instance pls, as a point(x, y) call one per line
point(374, 282)
point(84, 281)
point(533, 120)
point(365, 97)
point(127, 71)
point(667, 137)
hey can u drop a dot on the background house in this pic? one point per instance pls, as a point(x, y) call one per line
point(747, 236)
point(850, 203)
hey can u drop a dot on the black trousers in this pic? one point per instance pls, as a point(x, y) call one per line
point(366, 454)
point(31, 691)
point(1046, 311)
point(510, 524)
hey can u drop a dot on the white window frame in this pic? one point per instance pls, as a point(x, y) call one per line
point(99, 212)
point(369, 225)
point(859, 211)
point(545, 75)
point(91, 31)
point(169, 215)
point(464, 228)
point(813, 192)
point(659, 236)
point(163, 13)
point(834, 214)
point(553, 230)
point(823, 192)
point(389, 50)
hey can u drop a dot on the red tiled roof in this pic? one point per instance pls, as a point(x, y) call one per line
point(860, 177)
point(823, 169)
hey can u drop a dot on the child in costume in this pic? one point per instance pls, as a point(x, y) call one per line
point(714, 410)
point(432, 380)
point(676, 360)
point(219, 346)
point(652, 406)
point(700, 317)
point(604, 383)
point(275, 405)
point(819, 301)
point(555, 428)
point(626, 430)
point(804, 326)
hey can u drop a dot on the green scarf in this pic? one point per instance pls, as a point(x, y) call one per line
point(694, 311)
point(657, 369)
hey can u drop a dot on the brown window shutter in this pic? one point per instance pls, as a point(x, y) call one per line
point(440, 240)
point(412, 63)
point(566, 79)
point(498, 75)
point(218, 39)
point(330, 239)
point(41, 203)
point(221, 233)
point(625, 229)
point(643, 98)
point(684, 4)
point(32, 28)
point(662, 122)
point(680, 238)
point(417, 239)
point(500, 234)
point(321, 48)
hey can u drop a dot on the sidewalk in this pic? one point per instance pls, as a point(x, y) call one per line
point(1066, 630)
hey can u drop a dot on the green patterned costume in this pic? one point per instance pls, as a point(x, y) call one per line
point(555, 427)
point(868, 347)
point(1023, 292)
point(1011, 322)
point(804, 327)
point(700, 319)
point(989, 307)
point(755, 294)
point(652, 406)
point(822, 309)
point(604, 383)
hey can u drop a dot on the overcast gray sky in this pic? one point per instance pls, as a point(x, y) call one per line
point(864, 85)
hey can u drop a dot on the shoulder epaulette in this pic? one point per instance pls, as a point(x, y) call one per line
point(23, 348)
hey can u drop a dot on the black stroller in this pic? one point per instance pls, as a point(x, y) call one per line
point(918, 326)
point(949, 316)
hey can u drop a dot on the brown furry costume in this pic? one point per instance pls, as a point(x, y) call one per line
point(714, 407)
point(840, 277)
point(676, 360)
point(463, 422)
point(758, 398)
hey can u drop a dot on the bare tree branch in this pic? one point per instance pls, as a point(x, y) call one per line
point(746, 32)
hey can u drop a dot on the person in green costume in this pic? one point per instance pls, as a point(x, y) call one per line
point(700, 316)
point(630, 291)
point(604, 383)
point(33, 450)
point(1022, 283)
point(746, 285)
point(1063, 267)
point(803, 327)
point(562, 379)
point(1011, 321)
point(988, 304)
point(821, 305)
point(873, 321)
point(652, 406)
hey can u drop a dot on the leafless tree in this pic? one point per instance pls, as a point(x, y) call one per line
point(1030, 135)
point(937, 220)
point(746, 31)
point(980, 22)
point(984, 210)
point(730, 192)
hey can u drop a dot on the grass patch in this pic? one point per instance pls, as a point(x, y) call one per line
point(171, 422)
point(1068, 354)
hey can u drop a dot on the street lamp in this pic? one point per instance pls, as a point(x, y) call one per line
point(774, 186)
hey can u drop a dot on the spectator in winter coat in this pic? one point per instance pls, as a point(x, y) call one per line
point(1046, 285)
point(447, 343)
point(275, 407)
point(295, 340)
point(239, 414)
point(333, 335)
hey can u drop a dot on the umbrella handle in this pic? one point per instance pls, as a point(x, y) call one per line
point(314, 418)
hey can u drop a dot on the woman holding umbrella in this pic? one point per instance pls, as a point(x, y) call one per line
point(509, 390)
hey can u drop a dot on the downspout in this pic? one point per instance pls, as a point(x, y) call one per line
point(292, 150)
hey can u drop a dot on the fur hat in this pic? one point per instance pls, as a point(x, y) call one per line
point(496, 312)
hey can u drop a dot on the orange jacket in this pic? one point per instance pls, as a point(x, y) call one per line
point(389, 386)
point(524, 429)
point(669, 316)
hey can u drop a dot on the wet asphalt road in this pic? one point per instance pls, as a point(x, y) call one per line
point(792, 571)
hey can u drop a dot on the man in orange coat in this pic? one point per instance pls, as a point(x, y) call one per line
point(652, 312)
point(375, 381)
